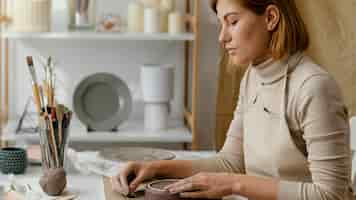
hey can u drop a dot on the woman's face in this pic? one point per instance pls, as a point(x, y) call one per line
point(244, 34)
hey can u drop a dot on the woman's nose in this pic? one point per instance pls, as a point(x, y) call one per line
point(224, 36)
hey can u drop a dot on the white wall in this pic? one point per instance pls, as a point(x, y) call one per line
point(77, 59)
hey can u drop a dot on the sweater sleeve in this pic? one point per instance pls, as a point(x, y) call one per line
point(323, 119)
point(231, 156)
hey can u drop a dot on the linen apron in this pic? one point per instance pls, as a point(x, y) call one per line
point(267, 138)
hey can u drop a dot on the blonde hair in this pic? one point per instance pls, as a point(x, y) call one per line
point(291, 35)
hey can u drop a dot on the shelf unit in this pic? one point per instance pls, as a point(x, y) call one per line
point(100, 36)
point(191, 47)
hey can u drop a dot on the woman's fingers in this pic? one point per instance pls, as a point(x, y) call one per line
point(137, 181)
point(183, 186)
point(124, 184)
point(123, 178)
point(120, 183)
point(177, 184)
point(117, 186)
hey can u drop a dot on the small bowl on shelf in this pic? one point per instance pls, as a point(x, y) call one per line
point(13, 160)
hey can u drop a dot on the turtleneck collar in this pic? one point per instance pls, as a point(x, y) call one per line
point(273, 70)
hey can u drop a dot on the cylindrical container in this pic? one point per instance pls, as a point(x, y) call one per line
point(156, 191)
point(168, 5)
point(156, 116)
point(29, 15)
point(13, 160)
point(151, 3)
point(152, 20)
point(82, 14)
point(157, 83)
point(53, 142)
point(175, 23)
point(135, 17)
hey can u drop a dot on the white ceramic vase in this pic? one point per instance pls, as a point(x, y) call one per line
point(157, 83)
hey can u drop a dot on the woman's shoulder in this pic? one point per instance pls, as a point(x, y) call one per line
point(310, 79)
point(308, 74)
point(307, 69)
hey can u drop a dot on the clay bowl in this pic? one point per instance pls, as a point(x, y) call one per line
point(155, 191)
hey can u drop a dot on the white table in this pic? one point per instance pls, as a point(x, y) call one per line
point(88, 187)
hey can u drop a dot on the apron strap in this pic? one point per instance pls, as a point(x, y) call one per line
point(291, 63)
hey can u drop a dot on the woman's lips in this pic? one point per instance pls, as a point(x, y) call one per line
point(231, 51)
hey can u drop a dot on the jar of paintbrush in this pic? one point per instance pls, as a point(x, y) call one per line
point(54, 123)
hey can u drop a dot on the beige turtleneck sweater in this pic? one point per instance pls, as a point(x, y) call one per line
point(318, 122)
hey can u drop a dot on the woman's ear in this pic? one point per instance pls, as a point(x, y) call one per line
point(272, 17)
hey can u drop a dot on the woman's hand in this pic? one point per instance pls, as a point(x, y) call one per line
point(131, 176)
point(206, 186)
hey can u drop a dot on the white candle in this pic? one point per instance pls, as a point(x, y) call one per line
point(30, 15)
point(135, 17)
point(152, 20)
point(168, 5)
point(164, 21)
point(175, 23)
point(151, 3)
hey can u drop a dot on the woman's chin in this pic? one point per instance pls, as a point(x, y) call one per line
point(239, 61)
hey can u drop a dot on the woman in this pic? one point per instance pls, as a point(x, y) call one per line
point(289, 139)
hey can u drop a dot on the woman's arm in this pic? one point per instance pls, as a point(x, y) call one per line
point(173, 168)
point(231, 157)
point(256, 188)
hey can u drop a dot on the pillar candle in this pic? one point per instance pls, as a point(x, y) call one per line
point(175, 23)
point(135, 17)
point(152, 20)
point(164, 20)
point(168, 5)
point(151, 3)
point(30, 15)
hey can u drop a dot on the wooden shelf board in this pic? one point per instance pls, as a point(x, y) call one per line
point(86, 35)
point(130, 132)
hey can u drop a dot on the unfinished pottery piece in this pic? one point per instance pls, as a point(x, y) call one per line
point(155, 191)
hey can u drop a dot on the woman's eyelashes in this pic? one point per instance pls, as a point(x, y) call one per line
point(234, 22)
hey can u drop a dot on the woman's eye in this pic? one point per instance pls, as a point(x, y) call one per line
point(234, 22)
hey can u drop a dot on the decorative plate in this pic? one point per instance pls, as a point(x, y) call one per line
point(102, 102)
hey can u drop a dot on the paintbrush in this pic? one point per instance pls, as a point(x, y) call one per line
point(50, 82)
point(60, 115)
point(35, 88)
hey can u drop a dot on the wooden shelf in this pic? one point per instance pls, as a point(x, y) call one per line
point(130, 132)
point(87, 35)
point(192, 53)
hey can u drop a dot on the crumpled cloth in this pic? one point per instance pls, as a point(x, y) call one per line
point(89, 163)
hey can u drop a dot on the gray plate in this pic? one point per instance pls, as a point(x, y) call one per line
point(102, 102)
point(136, 154)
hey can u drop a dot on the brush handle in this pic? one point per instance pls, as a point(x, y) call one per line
point(37, 98)
point(53, 142)
point(50, 96)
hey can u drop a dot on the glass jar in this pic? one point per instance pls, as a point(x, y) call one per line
point(82, 14)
